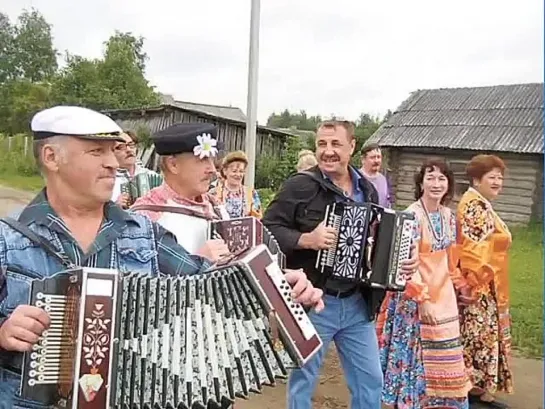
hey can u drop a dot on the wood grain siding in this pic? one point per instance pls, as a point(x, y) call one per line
point(233, 135)
point(519, 201)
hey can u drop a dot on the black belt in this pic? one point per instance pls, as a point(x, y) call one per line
point(341, 294)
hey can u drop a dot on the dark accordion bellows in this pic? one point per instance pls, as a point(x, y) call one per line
point(166, 342)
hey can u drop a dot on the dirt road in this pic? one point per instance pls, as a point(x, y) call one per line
point(12, 200)
point(332, 392)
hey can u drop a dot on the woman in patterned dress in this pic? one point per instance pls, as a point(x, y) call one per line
point(484, 241)
point(418, 329)
point(239, 200)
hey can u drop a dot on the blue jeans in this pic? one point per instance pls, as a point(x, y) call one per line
point(345, 321)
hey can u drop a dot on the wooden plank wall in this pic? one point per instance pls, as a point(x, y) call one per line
point(232, 135)
point(522, 193)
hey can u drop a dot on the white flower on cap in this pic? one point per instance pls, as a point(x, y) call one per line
point(74, 121)
point(206, 146)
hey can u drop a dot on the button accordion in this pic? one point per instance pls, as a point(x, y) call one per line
point(137, 341)
point(372, 241)
point(246, 232)
point(192, 230)
point(140, 185)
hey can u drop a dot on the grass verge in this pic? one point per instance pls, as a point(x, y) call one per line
point(526, 281)
point(28, 183)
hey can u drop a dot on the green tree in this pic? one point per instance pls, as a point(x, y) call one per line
point(19, 100)
point(300, 121)
point(115, 81)
point(34, 57)
point(7, 70)
point(27, 64)
point(122, 71)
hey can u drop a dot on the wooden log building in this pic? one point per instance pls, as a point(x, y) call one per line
point(456, 124)
point(231, 123)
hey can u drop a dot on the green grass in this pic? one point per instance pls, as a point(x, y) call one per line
point(526, 281)
point(28, 183)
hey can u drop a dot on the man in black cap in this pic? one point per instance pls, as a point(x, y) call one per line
point(71, 223)
point(187, 153)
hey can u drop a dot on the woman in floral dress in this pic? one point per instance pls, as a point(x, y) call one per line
point(418, 329)
point(484, 241)
point(239, 200)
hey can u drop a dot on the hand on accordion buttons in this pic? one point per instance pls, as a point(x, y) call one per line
point(214, 250)
point(123, 200)
point(409, 266)
point(303, 291)
point(23, 328)
point(323, 237)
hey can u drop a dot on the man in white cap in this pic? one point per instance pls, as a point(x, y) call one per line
point(72, 222)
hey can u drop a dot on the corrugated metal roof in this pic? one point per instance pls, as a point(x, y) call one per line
point(504, 118)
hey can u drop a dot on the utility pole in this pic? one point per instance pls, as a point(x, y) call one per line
point(251, 105)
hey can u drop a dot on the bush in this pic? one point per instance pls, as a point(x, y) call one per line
point(266, 195)
point(272, 171)
point(15, 159)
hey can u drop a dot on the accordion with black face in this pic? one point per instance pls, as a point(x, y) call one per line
point(372, 241)
point(166, 342)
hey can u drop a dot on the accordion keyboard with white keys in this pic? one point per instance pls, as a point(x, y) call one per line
point(371, 243)
point(166, 342)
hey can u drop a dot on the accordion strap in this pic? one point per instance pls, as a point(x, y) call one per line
point(326, 184)
point(168, 209)
point(39, 240)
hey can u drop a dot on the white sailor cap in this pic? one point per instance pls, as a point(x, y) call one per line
point(75, 121)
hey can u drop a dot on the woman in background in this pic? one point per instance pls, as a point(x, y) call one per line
point(418, 329)
point(307, 160)
point(239, 200)
point(484, 241)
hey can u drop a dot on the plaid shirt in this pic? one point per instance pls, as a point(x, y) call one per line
point(173, 259)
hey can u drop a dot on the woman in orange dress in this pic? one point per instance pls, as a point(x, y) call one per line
point(484, 241)
point(418, 330)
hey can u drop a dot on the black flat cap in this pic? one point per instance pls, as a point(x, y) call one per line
point(198, 138)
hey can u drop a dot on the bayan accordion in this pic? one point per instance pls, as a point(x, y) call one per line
point(192, 230)
point(372, 241)
point(140, 185)
point(166, 342)
point(246, 232)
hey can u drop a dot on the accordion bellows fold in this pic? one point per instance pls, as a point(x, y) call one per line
point(120, 341)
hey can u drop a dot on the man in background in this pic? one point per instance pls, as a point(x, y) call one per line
point(371, 163)
point(129, 166)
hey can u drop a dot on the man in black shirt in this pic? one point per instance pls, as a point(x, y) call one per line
point(295, 217)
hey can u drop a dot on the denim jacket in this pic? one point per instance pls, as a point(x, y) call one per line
point(126, 241)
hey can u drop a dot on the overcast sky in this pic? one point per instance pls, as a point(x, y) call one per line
point(338, 57)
